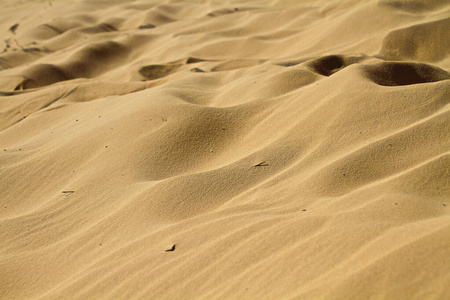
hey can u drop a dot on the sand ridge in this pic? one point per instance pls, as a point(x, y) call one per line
point(288, 149)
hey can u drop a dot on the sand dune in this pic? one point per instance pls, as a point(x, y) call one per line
point(287, 149)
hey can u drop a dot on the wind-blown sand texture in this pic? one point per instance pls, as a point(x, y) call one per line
point(268, 149)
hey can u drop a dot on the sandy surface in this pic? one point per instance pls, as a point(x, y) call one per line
point(280, 149)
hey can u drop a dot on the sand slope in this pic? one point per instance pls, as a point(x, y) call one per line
point(288, 149)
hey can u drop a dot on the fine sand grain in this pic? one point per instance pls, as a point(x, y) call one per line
point(252, 149)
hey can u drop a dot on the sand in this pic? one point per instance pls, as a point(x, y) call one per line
point(268, 149)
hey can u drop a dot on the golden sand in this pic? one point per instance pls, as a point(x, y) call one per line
point(268, 149)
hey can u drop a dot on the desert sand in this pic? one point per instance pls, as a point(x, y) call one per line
point(270, 149)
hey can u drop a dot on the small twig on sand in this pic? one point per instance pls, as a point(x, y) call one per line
point(21, 47)
point(261, 164)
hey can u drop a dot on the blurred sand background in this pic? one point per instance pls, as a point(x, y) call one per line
point(288, 149)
